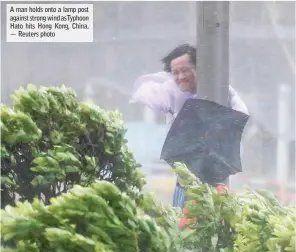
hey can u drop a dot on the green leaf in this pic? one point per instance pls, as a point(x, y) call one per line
point(69, 168)
point(6, 181)
point(42, 161)
point(214, 241)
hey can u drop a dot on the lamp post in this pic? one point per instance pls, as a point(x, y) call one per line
point(213, 50)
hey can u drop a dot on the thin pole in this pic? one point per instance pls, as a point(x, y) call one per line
point(213, 51)
point(284, 122)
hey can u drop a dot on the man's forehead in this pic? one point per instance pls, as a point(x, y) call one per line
point(181, 61)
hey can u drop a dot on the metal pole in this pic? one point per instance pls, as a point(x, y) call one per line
point(284, 122)
point(213, 51)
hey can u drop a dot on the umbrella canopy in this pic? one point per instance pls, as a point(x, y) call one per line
point(206, 137)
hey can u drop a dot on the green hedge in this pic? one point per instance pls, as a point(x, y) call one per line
point(80, 190)
point(102, 218)
point(50, 141)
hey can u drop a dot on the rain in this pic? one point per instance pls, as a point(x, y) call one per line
point(131, 38)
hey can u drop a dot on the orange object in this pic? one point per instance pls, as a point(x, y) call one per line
point(221, 188)
point(184, 221)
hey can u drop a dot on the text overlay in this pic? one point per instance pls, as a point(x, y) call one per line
point(49, 23)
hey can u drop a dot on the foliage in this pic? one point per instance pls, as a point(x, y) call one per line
point(264, 225)
point(101, 218)
point(50, 141)
point(94, 218)
point(168, 218)
point(253, 221)
point(214, 213)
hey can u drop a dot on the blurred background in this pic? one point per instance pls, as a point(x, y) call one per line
point(130, 38)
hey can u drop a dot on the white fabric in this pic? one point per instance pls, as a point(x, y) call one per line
point(162, 83)
point(236, 103)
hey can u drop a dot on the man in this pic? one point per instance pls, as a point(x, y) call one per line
point(168, 91)
point(181, 63)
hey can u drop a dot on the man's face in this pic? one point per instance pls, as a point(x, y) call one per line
point(183, 72)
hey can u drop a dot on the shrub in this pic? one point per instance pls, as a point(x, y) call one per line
point(225, 222)
point(50, 141)
point(101, 218)
point(94, 218)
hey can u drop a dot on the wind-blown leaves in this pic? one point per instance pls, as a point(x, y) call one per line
point(102, 218)
point(250, 221)
point(94, 218)
point(50, 141)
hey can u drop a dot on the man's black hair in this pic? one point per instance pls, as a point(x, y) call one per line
point(178, 52)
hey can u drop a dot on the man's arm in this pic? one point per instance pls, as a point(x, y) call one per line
point(236, 102)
